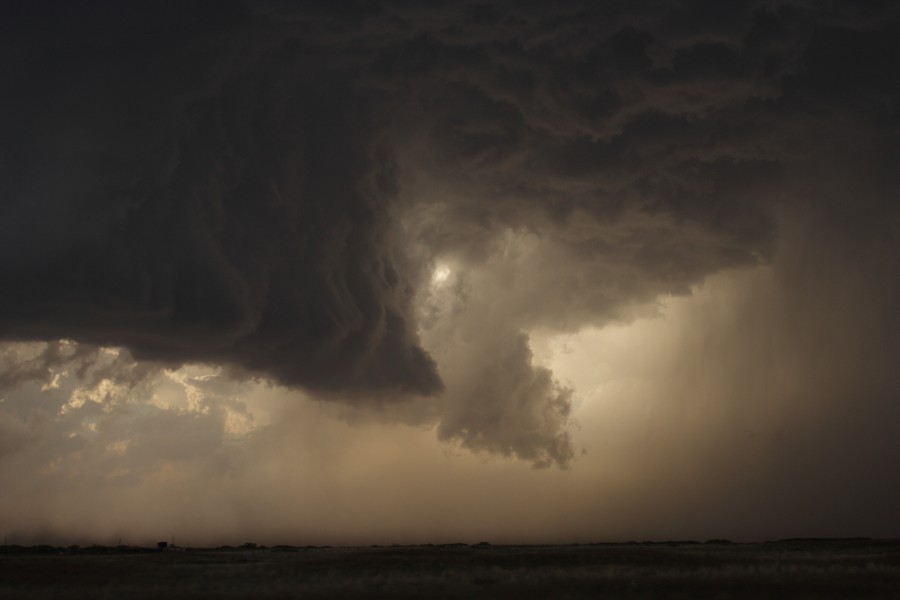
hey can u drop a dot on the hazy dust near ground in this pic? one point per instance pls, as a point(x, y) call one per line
point(781, 570)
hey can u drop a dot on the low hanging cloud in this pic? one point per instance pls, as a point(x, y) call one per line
point(192, 200)
point(271, 186)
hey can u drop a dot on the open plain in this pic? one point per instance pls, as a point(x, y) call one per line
point(791, 569)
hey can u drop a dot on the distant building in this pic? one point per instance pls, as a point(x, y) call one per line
point(162, 546)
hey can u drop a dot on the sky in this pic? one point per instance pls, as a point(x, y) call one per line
point(393, 272)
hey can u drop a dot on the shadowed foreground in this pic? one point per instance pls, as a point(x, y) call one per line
point(797, 569)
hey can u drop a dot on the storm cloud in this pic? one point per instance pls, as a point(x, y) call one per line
point(383, 201)
point(166, 191)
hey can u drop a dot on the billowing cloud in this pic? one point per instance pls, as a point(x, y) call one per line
point(373, 202)
point(171, 187)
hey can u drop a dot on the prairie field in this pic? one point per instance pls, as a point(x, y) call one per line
point(790, 569)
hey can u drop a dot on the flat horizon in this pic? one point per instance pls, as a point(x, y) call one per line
point(385, 272)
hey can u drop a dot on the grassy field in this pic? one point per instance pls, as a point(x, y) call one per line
point(797, 569)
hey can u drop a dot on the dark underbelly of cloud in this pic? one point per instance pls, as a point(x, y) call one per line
point(269, 185)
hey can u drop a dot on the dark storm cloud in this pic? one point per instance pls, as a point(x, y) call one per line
point(636, 153)
point(267, 184)
point(168, 187)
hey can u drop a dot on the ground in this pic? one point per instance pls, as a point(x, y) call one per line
point(795, 569)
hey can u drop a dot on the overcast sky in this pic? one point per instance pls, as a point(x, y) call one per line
point(387, 271)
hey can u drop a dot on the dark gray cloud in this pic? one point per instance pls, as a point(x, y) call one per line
point(170, 187)
point(270, 185)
